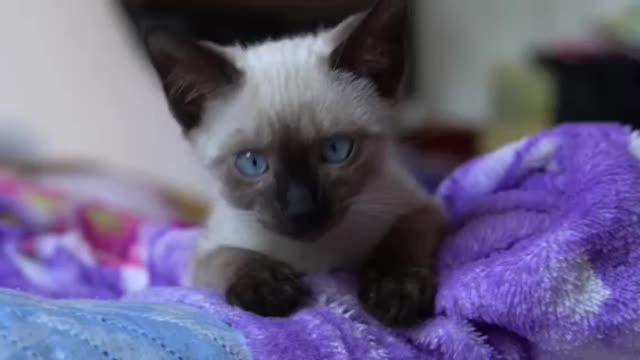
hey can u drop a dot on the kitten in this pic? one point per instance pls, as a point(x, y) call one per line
point(296, 133)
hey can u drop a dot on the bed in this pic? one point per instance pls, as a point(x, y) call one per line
point(541, 262)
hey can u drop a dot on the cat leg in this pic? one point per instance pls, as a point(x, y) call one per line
point(398, 284)
point(252, 281)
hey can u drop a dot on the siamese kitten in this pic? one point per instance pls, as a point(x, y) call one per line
point(296, 134)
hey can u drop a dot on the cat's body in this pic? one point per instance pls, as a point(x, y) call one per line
point(306, 175)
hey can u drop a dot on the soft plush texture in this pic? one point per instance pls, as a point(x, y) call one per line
point(542, 262)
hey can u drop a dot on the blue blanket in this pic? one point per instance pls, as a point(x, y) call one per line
point(31, 328)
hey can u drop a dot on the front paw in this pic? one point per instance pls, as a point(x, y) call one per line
point(268, 288)
point(398, 297)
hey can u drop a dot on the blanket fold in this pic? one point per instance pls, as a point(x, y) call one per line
point(547, 242)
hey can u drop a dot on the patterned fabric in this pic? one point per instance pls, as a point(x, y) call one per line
point(541, 263)
point(54, 244)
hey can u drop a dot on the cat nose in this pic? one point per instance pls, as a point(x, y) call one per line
point(299, 201)
point(303, 211)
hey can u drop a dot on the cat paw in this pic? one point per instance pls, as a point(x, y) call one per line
point(399, 297)
point(268, 288)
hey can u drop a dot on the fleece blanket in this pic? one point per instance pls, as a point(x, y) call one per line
point(542, 261)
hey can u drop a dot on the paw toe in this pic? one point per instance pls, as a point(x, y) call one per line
point(399, 299)
point(275, 293)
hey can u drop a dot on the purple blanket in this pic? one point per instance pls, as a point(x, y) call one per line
point(542, 262)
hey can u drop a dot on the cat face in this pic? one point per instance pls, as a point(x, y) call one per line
point(293, 129)
point(300, 187)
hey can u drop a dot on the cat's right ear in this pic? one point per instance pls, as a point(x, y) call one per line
point(372, 44)
point(191, 74)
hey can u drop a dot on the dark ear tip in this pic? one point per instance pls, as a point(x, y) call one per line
point(388, 14)
point(391, 6)
point(155, 39)
point(159, 40)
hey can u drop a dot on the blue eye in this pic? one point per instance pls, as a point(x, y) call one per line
point(337, 149)
point(251, 164)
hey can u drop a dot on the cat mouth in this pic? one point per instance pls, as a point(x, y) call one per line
point(306, 227)
point(306, 230)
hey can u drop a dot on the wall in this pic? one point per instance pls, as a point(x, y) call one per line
point(70, 75)
point(464, 39)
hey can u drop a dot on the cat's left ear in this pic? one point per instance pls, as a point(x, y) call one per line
point(191, 74)
point(372, 45)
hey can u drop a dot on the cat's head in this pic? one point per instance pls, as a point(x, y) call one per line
point(292, 129)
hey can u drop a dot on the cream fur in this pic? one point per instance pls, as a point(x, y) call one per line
point(288, 83)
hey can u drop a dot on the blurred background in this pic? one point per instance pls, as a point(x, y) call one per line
point(75, 85)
